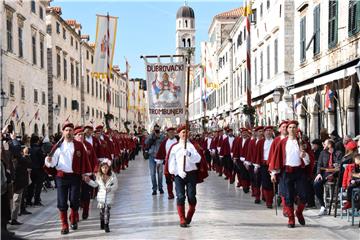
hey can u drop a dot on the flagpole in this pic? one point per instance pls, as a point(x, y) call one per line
point(107, 119)
point(248, 56)
point(341, 116)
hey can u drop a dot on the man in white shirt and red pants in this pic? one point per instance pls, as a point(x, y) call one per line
point(292, 162)
point(189, 167)
point(70, 164)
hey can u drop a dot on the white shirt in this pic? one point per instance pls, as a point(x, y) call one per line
point(231, 141)
point(63, 157)
point(169, 143)
point(176, 159)
point(267, 145)
point(292, 153)
point(90, 140)
point(209, 142)
point(243, 142)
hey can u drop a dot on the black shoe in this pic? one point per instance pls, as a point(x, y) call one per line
point(246, 190)
point(25, 212)
point(38, 204)
point(107, 229)
point(269, 206)
point(85, 216)
point(64, 231)
point(161, 191)
point(74, 226)
point(29, 203)
point(291, 225)
point(6, 234)
point(154, 193)
point(257, 201)
point(183, 225)
point(15, 222)
point(102, 224)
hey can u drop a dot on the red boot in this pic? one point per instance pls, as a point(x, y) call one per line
point(291, 217)
point(285, 213)
point(269, 195)
point(181, 213)
point(74, 218)
point(347, 205)
point(190, 213)
point(299, 213)
point(64, 222)
point(170, 190)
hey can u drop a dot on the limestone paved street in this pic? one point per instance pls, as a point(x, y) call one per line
point(223, 212)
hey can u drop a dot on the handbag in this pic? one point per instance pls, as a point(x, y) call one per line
point(146, 155)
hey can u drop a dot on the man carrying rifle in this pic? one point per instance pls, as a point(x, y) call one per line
point(69, 162)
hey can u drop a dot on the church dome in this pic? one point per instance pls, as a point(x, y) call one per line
point(185, 12)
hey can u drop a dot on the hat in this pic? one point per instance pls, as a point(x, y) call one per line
point(282, 123)
point(78, 130)
point(268, 127)
point(170, 129)
point(351, 145)
point(334, 133)
point(99, 128)
point(259, 128)
point(317, 142)
point(229, 130)
point(182, 127)
point(67, 124)
point(89, 127)
point(292, 122)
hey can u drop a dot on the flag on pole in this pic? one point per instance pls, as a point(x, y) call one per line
point(105, 43)
point(329, 94)
point(15, 113)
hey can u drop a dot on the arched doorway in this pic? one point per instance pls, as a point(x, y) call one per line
point(36, 129)
point(22, 131)
point(43, 130)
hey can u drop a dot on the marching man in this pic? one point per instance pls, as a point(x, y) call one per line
point(189, 167)
point(290, 161)
point(164, 148)
point(71, 164)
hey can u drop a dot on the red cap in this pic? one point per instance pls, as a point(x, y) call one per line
point(259, 128)
point(282, 123)
point(89, 127)
point(170, 129)
point(67, 124)
point(351, 145)
point(78, 129)
point(99, 127)
point(182, 127)
point(268, 127)
point(292, 122)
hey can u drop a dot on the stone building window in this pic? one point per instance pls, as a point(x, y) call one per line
point(22, 92)
point(33, 42)
point(41, 13)
point(333, 23)
point(72, 73)
point(261, 66)
point(36, 96)
point(33, 6)
point(65, 102)
point(276, 53)
point(20, 40)
point(268, 61)
point(12, 89)
point(64, 33)
point(316, 37)
point(92, 86)
point(354, 17)
point(77, 76)
point(303, 39)
point(58, 64)
point(59, 101)
point(87, 84)
point(57, 27)
point(65, 68)
point(43, 98)
point(42, 51)
point(9, 27)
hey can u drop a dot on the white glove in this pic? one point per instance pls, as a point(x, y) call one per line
point(232, 155)
point(242, 159)
point(256, 169)
point(182, 175)
point(159, 162)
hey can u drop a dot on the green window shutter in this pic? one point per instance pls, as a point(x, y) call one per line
point(316, 29)
point(333, 23)
point(302, 39)
point(354, 17)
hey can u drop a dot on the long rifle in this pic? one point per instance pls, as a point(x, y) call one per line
point(275, 198)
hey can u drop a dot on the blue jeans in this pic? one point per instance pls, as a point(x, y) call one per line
point(189, 182)
point(68, 188)
point(159, 169)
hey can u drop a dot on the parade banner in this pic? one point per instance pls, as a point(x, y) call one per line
point(166, 90)
point(105, 45)
point(131, 95)
point(207, 62)
point(137, 100)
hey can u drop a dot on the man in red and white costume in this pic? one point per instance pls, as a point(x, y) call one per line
point(104, 149)
point(70, 163)
point(188, 166)
point(208, 137)
point(164, 148)
point(261, 161)
point(250, 164)
point(86, 190)
point(226, 155)
point(221, 137)
point(290, 162)
point(240, 150)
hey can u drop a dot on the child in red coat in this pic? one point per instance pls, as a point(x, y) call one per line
point(351, 179)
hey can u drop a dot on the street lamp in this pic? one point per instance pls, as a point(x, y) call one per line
point(276, 98)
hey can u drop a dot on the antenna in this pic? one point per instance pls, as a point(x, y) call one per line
point(185, 2)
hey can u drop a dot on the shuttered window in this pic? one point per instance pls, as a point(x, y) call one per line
point(316, 30)
point(354, 17)
point(303, 39)
point(333, 23)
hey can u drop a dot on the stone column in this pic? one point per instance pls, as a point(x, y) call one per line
point(331, 121)
point(351, 121)
point(314, 128)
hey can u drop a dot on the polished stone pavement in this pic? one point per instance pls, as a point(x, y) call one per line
point(223, 212)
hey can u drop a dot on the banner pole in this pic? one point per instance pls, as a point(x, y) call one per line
point(107, 119)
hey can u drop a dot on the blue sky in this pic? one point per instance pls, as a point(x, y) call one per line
point(144, 27)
